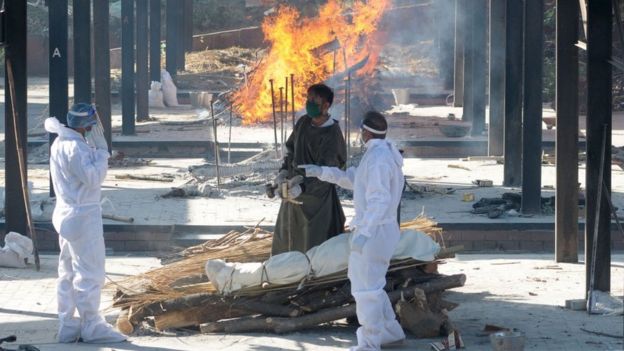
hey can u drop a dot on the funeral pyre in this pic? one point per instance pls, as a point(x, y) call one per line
point(232, 285)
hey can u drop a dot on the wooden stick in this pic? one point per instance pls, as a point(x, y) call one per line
point(594, 248)
point(118, 218)
point(233, 325)
point(153, 178)
point(292, 98)
point(216, 145)
point(281, 95)
point(230, 136)
point(22, 167)
point(274, 115)
point(123, 323)
point(286, 109)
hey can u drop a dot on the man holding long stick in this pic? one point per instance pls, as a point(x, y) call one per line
point(311, 212)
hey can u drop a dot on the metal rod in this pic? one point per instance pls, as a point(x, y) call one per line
point(216, 144)
point(292, 98)
point(230, 135)
point(274, 116)
point(22, 164)
point(590, 293)
point(281, 95)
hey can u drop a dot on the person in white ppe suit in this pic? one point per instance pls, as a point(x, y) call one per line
point(78, 165)
point(377, 185)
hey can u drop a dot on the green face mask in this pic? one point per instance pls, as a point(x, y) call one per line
point(313, 109)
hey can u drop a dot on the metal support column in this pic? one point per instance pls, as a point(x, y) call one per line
point(468, 24)
point(127, 67)
point(142, 74)
point(479, 70)
point(154, 28)
point(566, 208)
point(513, 93)
point(599, 92)
point(445, 40)
point(101, 53)
point(496, 128)
point(532, 111)
point(458, 94)
point(182, 17)
point(15, 52)
point(188, 25)
point(57, 59)
point(82, 51)
point(172, 37)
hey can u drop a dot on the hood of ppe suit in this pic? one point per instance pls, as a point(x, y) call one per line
point(78, 171)
point(385, 143)
point(53, 125)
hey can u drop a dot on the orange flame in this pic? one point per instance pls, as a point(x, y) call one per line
point(292, 40)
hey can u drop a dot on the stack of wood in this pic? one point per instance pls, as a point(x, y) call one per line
point(179, 295)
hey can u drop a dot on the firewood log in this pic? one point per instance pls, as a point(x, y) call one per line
point(286, 325)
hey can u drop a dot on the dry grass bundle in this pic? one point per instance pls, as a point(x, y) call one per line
point(186, 276)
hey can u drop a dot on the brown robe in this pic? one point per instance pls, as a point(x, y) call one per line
point(320, 216)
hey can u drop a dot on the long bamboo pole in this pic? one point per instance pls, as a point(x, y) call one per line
point(22, 167)
point(274, 116)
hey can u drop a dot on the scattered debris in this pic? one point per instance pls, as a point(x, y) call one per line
point(459, 167)
point(193, 189)
point(602, 334)
point(119, 159)
point(468, 197)
point(483, 183)
point(153, 178)
point(118, 218)
point(576, 304)
point(507, 341)
point(452, 342)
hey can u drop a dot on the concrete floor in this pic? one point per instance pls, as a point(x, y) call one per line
point(525, 292)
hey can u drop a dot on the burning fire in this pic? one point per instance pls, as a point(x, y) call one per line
point(296, 47)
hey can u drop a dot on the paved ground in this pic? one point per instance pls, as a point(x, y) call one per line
point(515, 291)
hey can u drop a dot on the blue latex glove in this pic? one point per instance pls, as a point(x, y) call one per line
point(312, 170)
point(358, 243)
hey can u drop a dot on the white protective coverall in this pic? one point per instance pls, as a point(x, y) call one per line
point(377, 185)
point(77, 171)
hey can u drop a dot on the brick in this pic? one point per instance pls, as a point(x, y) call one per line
point(509, 245)
point(540, 235)
point(468, 244)
point(532, 246)
point(472, 235)
point(115, 245)
point(484, 245)
point(136, 245)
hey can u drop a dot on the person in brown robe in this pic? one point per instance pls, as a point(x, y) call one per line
point(311, 212)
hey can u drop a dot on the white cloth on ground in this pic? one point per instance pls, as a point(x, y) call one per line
point(16, 248)
point(377, 185)
point(78, 171)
